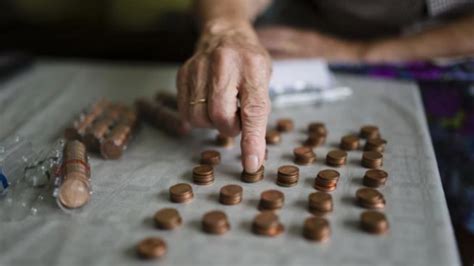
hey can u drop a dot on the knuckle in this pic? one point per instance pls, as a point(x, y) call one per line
point(256, 108)
point(218, 116)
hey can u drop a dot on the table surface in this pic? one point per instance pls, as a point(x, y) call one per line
point(40, 103)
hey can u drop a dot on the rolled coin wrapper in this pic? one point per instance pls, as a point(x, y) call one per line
point(85, 120)
point(74, 189)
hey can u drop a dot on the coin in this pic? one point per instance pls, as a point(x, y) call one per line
point(316, 229)
point(336, 158)
point(370, 198)
point(271, 200)
point(230, 194)
point(374, 222)
point(167, 218)
point(181, 193)
point(151, 248)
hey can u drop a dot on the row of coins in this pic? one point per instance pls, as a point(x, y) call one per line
point(319, 203)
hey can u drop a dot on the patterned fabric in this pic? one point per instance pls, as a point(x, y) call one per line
point(448, 96)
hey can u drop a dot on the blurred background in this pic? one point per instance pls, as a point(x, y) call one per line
point(163, 30)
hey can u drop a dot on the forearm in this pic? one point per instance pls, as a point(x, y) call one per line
point(228, 11)
point(450, 40)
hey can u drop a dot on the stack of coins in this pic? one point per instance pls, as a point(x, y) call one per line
point(253, 177)
point(75, 188)
point(267, 223)
point(162, 117)
point(349, 143)
point(375, 178)
point(374, 222)
point(181, 193)
point(326, 180)
point(372, 159)
point(167, 219)
point(336, 158)
point(272, 137)
point(304, 155)
point(288, 175)
point(210, 157)
point(285, 125)
point(318, 127)
point(230, 194)
point(151, 248)
point(203, 174)
point(224, 141)
point(315, 139)
point(370, 198)
point(376, 144)
point(369, 132)
point(316, 229)
point(215, 222)
point(85, 120)
point(271, 200)
point(320, 203)
point(115, 142)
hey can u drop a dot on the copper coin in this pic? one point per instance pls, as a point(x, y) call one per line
point(315, 139)
point(267, 223)
point(375, 178)
point(369, 132)
point(272, 137)
point(320, 202)
point(349, 142)
point(203, 174)
point(253, 177)
point(230, 194)
point(167, 218)
point(285, 125)
point(328, 177)
point(370, 198)
point(304, 155)
point(224, 141)
point(374, 222)
point(317, 127)
point(181, 193)
point(151, 248)
point(288, 170)
point(316, 229)
point(376, 144)
point(336, 158)
point(215, 222)
point(211, 157)
point(271, 200)
point(372, 159)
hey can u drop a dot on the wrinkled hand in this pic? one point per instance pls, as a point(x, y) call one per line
point(231, 70)
point(285, 42)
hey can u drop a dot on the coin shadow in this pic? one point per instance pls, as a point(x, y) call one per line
point(149, 222)
point(213, 197)
point(195, 224)
point(335, 145)
point(163, 195)
point(188, 176)
point(294, 230)
point(357, 181)
point(348, 200)
point(354, 161)
point(246, 226)
point(309, 181)
point(300, 204)
point(131, 252)
point(287, 156)
point(253, 203)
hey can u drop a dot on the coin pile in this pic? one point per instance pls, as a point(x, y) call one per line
point(252, 177)
point(370, 198)
point(203, 174)
point(181, 193)
point(316, 229)
point(304, 155)
point(326, 180)
point(151, 248)
point(224, 141)
point(106, 128)
point(210, 157)
point(376, 144)
point(267, 223)
point(230, 194)
point(372, 159)
point(272, 137)
point(215, 222)
point(375, 178)
point(349, 143)
point(288, 175)
point(271, 200)
point(320, 203)
point(75, 188)
point(336, 158)
point(285, 125)
point(167, 219)
point(369, 132)
point(315, 139)
point(318, 127)
point(374, 222)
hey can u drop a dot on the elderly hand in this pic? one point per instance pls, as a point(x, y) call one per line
point(225, 86)
point(285, 42)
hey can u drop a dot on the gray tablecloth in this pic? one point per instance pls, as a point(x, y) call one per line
point(40, 103)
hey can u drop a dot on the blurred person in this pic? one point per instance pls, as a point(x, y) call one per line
point(224, 85)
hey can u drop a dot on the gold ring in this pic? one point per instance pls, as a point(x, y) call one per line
point(203, 100)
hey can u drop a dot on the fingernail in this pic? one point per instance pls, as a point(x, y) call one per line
point(251, 163)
